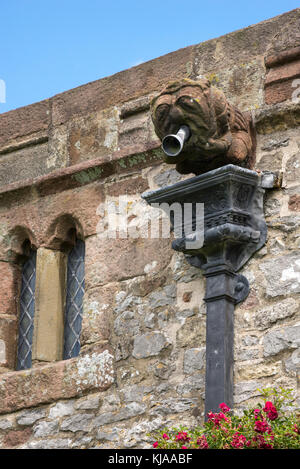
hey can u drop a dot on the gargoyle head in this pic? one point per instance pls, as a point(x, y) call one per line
point(213, 125)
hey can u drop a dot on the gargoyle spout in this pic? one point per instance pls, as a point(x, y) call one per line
point(172, 144)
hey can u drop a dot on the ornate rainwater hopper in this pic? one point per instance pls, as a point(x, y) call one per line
point(234, 229)
point(218, 148)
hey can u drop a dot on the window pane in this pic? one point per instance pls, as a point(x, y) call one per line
point(27, 303)
point(74, 300)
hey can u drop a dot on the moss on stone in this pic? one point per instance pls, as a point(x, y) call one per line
point(88, 175)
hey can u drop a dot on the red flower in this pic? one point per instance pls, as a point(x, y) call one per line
point(183, 447)
point(165, 436)
point(216, 418)
point(202, 442)
point(238, 440)
point(155, 445)
point(224, 407)
point(261, 426)
point(270, 410)
point(182, 436)
point(257, 413)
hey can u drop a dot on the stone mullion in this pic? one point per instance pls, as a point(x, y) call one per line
point(49, 305)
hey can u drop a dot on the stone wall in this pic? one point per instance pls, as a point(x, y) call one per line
point(142, 359)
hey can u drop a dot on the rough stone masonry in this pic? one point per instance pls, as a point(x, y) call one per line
point(142, 359)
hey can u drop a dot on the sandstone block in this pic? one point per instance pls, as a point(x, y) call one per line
point(10, 285)
point(8, 341)
point(49, 305)
point(60, 380)
point(16, 437)
point(294, 203)
point(25, 121)
point(113, 260)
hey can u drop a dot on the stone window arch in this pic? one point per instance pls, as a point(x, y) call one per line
point(59, 291)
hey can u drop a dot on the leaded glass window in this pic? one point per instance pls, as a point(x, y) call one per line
point(27, 305)
point(74, 300)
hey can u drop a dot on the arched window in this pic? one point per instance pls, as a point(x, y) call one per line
point(74, 300)
point(27, 307)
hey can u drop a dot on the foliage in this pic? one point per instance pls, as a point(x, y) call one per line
point(266, 426)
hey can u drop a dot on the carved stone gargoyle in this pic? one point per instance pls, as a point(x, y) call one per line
point(211, 131)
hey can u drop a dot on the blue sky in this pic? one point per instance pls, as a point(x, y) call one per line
point(50, 46)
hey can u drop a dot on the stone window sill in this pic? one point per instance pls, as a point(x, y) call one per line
point(60, 380)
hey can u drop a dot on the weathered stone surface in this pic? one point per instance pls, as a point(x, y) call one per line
point(44, 428)
point(265, 317)
point(130, 410)
point(192, 333)
point(248, 354)
point(275, 142)
point(10, 278)
point(259, 371)
point(270, 161)
point(126, 324)
point(61, 409)
point(191, 384)
point(8, 341)
point(61, 380)
point(293, 362)
point(26, 121)
point(194, 360)
point(111, 260)
point(5, 424)
point(294, 203)
point(105, 436)
point(16, 437)
point(293, 168)
point(245, 390)
point(190, 294)
point(286, 224)
point(164, 297)
point(167, 178)
point(282, 275)
point(77, 423)
point(26, 163)
point(110, 91)
point(135, 393)
point(29, 417)
point(174, 405)
point(89, 403)
point(149, 345)
point(92, 136)
point(56, 443)
point(281, 339)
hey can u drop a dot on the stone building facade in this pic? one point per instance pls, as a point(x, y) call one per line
point(142, 358)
